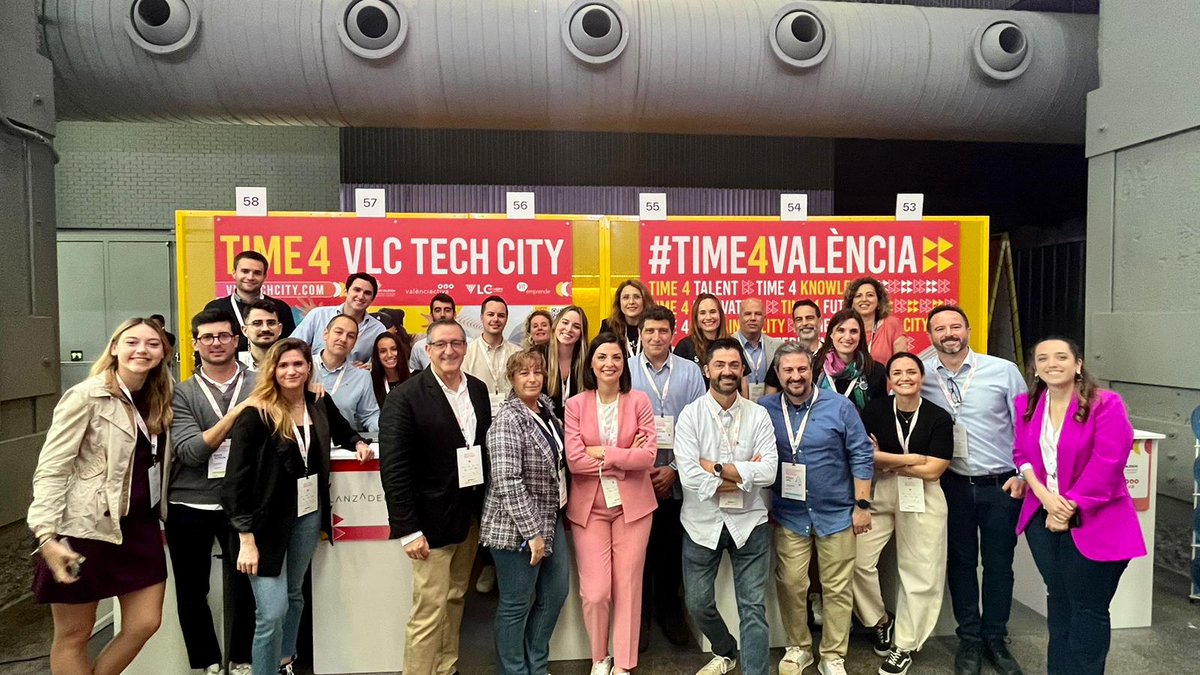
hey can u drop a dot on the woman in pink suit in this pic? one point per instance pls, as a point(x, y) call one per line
point(1072, 442)
point(611, 447)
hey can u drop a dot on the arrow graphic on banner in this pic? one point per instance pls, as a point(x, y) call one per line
point(929, 245)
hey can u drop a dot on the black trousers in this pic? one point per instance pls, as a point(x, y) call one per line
point(190, 535)
point(981, 525)
point(663, 573)
point(1078, 593)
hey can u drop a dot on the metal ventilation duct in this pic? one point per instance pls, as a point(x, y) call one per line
point(837, 69)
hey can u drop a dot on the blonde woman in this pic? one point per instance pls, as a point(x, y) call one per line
point(537, 328)
point(276, 494)
point(95, 491)
point(565, 356)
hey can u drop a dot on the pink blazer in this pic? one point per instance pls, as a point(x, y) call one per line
point(630, 466)
point(1091, 473)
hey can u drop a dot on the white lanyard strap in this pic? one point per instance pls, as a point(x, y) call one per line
point(662, 396)
point(338, 382)
point(962, 391)
point(137, 417)
point(236, 312)
point(797, 437)
point(303, 437)
point(212, 401)
point(850, 387)
point(731, 436)
point(387, 386)
point(900, 435)
point(497, 375)
point(754, 364)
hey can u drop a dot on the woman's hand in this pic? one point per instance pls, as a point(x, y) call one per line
point(247, 560)
point(316, 389)
point(596, 452)
point(1056, 507)
point(60, 558)
point(640, 441)
point(537, 550)
point(1055, 524)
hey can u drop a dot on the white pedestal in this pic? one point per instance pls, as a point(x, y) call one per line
point(1133, 604)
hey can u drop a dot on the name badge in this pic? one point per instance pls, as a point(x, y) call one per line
point(155, 485)
point(219, 459)
point(612, 495)
point(496, 400)
point(911, 494)
point(795, 481)
point(562, 487)
point(960, 441)
point(470, 466)
point(664, 427)
point(730, 500)
point(306, 495)
point(757, 390)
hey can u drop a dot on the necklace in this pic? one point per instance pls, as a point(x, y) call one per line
point(905, 417)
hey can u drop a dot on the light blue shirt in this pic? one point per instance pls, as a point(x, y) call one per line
point(312, 331)
point(675, 385)
point(353, 393)
point(980, 399)
point(418, 360)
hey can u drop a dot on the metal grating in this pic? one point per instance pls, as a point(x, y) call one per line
point(1050, 290)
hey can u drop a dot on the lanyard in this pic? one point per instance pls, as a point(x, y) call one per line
point(497, 377)
point(550, 430)
point(662, 397)
point(730, 437)
point(213, 401)
point(303, 438)
point(755, 364)
point(237, 312)
point(338, 382)
point(137, 417)
point(962, 392)
point(608, 423)
point(797, 437)
point(900, 435)
point(849, 388)
point(387, 386)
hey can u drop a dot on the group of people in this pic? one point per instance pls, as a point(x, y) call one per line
point(643, 459)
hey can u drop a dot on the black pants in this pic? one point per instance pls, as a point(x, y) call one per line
point(190, 534)
point(1078, 593)
point(981, 524)
point(663, 572)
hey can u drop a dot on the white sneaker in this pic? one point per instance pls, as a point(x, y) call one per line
point(718, 666)
point(214, 669)
point(602, 667)
point(794, 661)
point(240, 669)
point(817, 604)
point(487, 579)
point(832, 667)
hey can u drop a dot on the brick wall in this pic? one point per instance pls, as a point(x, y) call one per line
point(134, 176)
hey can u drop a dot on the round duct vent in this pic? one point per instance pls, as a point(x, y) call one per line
point(372, 29)
point(798, 36)
point(162, 26)
point(595, 32)
point(1002, 50)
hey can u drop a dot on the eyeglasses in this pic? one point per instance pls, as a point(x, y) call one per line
point(207, 339)
point(259, 323)
point(443, 344)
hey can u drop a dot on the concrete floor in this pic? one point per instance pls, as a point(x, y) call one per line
point(1171, 646)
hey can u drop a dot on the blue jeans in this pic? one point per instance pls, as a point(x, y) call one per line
point(531, 598)
point(279, 600)
point(751, 566)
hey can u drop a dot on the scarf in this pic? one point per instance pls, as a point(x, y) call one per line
point(834, 369)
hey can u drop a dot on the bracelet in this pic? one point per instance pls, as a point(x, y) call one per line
point(41, 543)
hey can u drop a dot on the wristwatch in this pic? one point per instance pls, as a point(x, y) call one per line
point(717, 469)
point(863, 504)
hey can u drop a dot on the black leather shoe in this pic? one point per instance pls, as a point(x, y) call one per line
point(969, 658)
point(1001, 659)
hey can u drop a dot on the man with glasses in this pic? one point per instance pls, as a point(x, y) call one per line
point(433, 468)
point(441, 308)
point(249, 273)
point(205, 407)
point(262, 329)
point(983, 489)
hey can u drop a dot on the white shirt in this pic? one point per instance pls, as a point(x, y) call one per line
point(1048, 440)
point(418, 360)
point(698, 434)
point(490, 364)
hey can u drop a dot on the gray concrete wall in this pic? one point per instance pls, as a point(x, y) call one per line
point(135, 176)
point(1143, 295)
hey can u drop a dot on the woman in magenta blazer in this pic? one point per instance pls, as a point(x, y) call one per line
point(611, 447)
point(1072, 442)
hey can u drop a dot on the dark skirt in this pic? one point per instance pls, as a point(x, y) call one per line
point(111, 570)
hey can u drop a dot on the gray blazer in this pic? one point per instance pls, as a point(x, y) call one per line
point(522, 496)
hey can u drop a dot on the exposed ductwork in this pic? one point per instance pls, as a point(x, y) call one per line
point(795, 68)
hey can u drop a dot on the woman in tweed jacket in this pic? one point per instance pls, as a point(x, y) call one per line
point(522, 518)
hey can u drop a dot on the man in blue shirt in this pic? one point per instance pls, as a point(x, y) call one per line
point(983, 490)
point(350, 387)
point(671, 382)
point(361, 289)
point(822, 500)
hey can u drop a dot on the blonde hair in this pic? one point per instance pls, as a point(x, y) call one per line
point(578, 356)
point(272, 407)
point(160, 384)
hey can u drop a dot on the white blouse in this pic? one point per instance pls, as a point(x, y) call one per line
point(1049, 443)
